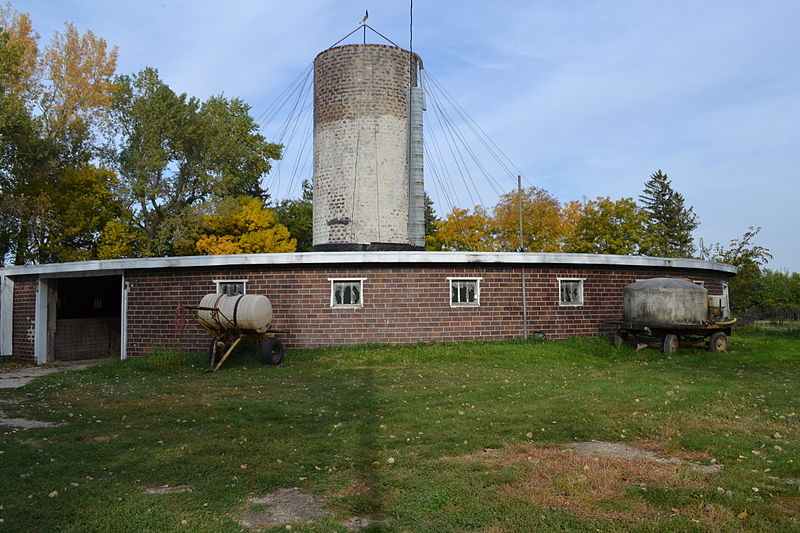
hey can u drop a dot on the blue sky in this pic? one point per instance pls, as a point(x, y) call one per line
point(588, 98)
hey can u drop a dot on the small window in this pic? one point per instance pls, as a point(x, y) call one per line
point(347, 292)
point(231, 287)
point(465, 292)
point(699, 282)
point(570, 291)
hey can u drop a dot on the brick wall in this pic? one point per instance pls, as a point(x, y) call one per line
point(24, 318)
point(401, 304)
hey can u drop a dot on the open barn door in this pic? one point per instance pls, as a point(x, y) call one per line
point(88, 318)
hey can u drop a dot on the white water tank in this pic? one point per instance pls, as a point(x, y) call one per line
point(246, 312)
point(665, 301)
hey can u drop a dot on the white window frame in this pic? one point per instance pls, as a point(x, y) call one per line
point(477, 281)
point(580, 292)
point(700, 282)
point(220, 282)
point(358, 305)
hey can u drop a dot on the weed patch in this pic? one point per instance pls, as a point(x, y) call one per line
point(596, 486)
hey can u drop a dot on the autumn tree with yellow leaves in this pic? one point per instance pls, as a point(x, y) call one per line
point(244, 226)
point(69, 82)
point(54, 196)
point(94, 165)
point(606, 226)
point(600, 226)
point(465, 230)
point(542, 221)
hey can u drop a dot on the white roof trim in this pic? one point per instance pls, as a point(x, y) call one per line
point(356, 258)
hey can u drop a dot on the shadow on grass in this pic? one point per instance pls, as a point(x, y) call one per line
point(307, 381)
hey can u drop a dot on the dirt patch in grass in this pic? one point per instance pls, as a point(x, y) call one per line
point(23, 423)
point(293, 506)
point(598, 486)
point(167, 489)
point(285, 506)
point(656, 446)
point(641, 451)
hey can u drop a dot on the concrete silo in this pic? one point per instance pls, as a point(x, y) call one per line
point(368, 190)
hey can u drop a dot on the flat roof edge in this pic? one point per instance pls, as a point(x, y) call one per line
point(350, 258)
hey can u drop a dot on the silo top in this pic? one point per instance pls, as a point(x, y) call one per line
point(362, 80)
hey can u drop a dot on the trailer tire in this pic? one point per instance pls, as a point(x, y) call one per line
point(670, 344)
point(718, 342)
point(271, 352)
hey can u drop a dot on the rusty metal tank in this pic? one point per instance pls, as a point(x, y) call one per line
point(665, 301)
point(244, 312)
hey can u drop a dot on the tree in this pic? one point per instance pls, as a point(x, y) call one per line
point(670, 223)
point(464, 231)
point(69, 82)
point(121, 239)
point(78, 89)
point(542, 221)
point(23, 80)
point(174, 153)
point(432, 243)
point(244, 226)
point(74, 233)
point(606, 226)
point(782, 292)
point(747, 287)
point(298, 216)
point(54, 201)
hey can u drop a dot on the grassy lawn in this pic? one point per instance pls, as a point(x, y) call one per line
point(426, 438)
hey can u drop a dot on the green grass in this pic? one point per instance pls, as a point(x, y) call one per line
point(322, 419)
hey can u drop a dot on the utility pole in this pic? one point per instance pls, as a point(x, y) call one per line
point(522, 267)
point(519, 206)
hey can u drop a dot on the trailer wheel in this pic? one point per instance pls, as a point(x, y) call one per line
point(271, 351)
point(718, 342)
point(670, 344)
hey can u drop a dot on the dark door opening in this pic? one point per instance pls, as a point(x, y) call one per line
point(88, 316)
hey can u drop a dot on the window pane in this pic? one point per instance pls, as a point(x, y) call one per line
point(463, 291)
point(231, 288)
point(346, 292)
point(337, 293)
point(571, 292)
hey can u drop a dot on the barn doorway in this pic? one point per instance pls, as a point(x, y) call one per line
point(88, 318)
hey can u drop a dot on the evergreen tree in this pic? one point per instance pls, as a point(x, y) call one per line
point(670, 223)
point(431, 243)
